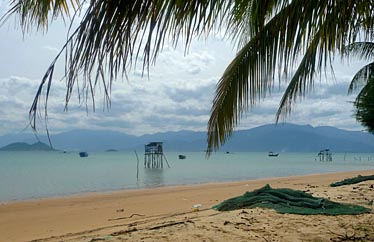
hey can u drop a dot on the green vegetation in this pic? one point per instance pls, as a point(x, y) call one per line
point(364, 78)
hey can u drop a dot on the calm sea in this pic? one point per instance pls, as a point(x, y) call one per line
point(28, 175)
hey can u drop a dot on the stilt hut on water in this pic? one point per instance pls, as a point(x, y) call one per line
point(325, 155)
point(153, 156)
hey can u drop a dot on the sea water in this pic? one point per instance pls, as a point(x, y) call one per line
point(29, 175)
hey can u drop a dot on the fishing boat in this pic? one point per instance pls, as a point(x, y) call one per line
point(272, 154)
point(83, 154)
point(181, 157)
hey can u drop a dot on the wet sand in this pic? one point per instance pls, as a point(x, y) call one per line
point(167, 214)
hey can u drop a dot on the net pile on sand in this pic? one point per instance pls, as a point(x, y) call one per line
point(353, 180)
point(285, 200)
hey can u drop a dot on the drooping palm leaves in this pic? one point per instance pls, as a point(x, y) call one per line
point(274, 37)
point(363, 51)
point(313, 30)
point(364, 105)
point(37, 13)
point(113, 34)
point(364, 79)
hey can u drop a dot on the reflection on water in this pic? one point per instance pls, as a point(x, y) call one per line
point(153, 177)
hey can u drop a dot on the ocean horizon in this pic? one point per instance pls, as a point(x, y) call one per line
point(28, 175)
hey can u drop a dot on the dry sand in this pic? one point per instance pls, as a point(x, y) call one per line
point(166, 214)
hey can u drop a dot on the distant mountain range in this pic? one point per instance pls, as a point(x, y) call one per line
point(270, 137)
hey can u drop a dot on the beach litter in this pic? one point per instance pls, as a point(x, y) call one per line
point(105, 238)
point(196, 207)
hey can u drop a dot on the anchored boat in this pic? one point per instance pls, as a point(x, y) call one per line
point(83, 154)
point(272, 154)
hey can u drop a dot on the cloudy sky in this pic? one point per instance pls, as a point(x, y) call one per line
point(176, 96)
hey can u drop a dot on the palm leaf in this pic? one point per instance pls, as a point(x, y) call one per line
point(365, 51)
point(317, 30)
point(113, 34)
point(364, 105)
point(301, 81)
point(37, 13)
point(362, 50)
point(362, 77)
point(250, 75)
point(248, 17)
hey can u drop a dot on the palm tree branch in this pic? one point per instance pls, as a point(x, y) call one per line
point(249, 76)
point(37, 13)
point(317, 30)
point(364, 105)
point(335, 30)
point(362, 77)
point(298, 85)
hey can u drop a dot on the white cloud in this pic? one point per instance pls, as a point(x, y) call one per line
point(177, 94)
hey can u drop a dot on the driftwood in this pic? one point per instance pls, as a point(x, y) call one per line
point(132, 215)
point(97, 239)
point(170, 224)
point(236, 224)
point(124, 231)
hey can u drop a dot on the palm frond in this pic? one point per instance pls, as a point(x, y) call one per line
point(365, 51)
point(362, 77)
point(362, 50)
point(250, 76)
point(248, 17)
point(316, 30)
point(36, 13)
point(231, 97)
point(113, 34)
point(335, 26)
point(301, 81)
point(324, 41)
point(364, 105)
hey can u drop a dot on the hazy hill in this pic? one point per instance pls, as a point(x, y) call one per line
point(300, 138)
point(277, 138)
point(21, 146)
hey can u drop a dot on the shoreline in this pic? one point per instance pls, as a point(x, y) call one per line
point(100, 213)
point(60, 176)
point(95, 193)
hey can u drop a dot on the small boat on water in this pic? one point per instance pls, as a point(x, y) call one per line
point(272, 154)
point(83, 154)
point(181, 157)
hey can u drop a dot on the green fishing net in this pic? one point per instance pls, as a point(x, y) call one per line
point(285, 200)
point(353, 180)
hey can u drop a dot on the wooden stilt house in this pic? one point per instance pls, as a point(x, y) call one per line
point(325, 155)
point(153, 156)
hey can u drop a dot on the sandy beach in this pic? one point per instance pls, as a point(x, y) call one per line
point(167, 214)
